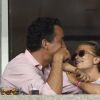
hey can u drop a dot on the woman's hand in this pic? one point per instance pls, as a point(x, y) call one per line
point(80, 75)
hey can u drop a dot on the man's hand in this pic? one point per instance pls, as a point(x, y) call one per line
point(63, 54)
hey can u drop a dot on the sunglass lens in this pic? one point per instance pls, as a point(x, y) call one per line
point(81, 53)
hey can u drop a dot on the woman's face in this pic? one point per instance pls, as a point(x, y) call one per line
point(84, 58)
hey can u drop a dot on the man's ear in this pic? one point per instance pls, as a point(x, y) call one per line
point(96, 60)
point(44, 44)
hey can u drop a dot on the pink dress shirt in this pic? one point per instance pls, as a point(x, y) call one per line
point(25, 72)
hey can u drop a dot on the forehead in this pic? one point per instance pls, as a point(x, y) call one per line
point(85, 47)
point(58, 30)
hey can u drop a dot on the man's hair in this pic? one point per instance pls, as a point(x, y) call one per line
point(96, 49)
point(41, 28)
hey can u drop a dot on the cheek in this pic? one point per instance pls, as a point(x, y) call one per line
point(89, 60)
point(84, 65)
point(88, 63)
point(55, 48)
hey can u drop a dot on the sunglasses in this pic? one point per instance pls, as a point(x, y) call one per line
point(81, 53)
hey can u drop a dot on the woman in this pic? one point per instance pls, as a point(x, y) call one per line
point(87, 59)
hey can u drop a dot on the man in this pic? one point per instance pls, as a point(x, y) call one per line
point(45, 47)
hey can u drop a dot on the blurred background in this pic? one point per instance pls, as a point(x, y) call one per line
point(80, 19)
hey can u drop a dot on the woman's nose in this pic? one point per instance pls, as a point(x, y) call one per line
point(76, 57)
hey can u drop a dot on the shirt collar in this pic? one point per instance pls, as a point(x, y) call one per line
point(33, 60)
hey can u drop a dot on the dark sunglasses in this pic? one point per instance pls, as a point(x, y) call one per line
point(81, 53)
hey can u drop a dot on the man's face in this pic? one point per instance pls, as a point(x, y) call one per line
point(85, 57)
point(56, 43)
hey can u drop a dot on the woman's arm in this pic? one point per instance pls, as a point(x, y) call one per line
point(87, 87)
point(69, 68)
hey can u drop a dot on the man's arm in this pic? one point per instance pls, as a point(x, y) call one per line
point(55, 77)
